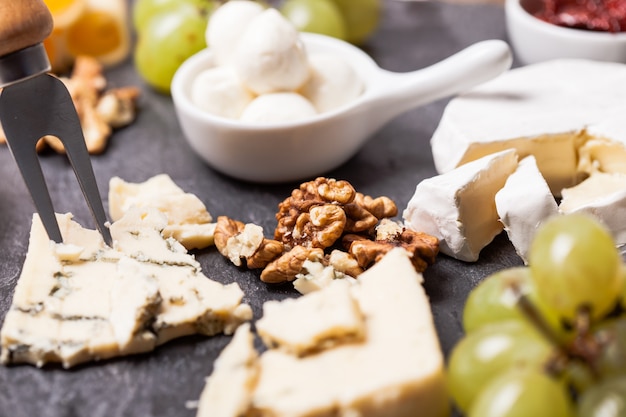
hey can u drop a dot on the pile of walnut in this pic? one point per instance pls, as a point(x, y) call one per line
point(99, 109)
point(319, 216)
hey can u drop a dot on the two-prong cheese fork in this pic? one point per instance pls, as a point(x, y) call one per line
point(34, 104)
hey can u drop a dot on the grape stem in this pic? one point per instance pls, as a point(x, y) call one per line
point(580, 350)
point(536, 318)
point(584, 348)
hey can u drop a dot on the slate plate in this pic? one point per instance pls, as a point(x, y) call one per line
point(412, 35)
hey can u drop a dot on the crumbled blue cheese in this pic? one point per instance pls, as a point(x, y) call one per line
point(81, 300)
point(188, 220)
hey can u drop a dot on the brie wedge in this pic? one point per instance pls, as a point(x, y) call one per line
point(603, 196)
point(549, 110)
point(188, 219)
point(459, 207)
point(81, 300)
point(396, 369)
point(523, 204)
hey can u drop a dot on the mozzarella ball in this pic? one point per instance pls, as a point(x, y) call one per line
point(278, 108)
point(226, 25)
point(218, 91)
point(270, 56)
point(333, 83)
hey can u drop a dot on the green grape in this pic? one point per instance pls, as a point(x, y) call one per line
point(143, 10)
point(166, 42)
point(611, 335)
point(495, 299)
point(483, 354)
point(361, 17)
point(605, 399)
point(575, 264)
point(523, 394)
point(317, 16)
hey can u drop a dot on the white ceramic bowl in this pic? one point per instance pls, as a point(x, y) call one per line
point(534, 40)
point(298, 150)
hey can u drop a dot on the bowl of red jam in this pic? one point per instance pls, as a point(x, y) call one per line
point(541, 30)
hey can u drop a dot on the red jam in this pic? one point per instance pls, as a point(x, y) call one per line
point(597, 15)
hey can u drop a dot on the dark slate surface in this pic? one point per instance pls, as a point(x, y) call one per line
point(412, 35)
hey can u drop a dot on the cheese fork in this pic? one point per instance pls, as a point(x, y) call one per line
point(34, 104)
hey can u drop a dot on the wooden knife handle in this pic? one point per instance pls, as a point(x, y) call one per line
point(23, 23)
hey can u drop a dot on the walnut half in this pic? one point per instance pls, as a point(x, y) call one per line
point(422, 248)
point(290, 264)
point(238, 241)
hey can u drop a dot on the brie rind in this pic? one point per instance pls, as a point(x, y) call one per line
point(107, 302)
point(603, 196)
point(548, 110)
point(523, 204)
point(396, 370)
point(459, 208)
point(188, 219)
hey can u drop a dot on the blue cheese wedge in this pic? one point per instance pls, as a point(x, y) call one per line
point(459, 208)
point(338, 319)
point(524, 204)
point(396, 369)
point(549, 110)
point(188, 219)
point(81, 300)
point(228, 392)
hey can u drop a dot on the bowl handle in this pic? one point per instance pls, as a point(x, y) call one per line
point(474, 65)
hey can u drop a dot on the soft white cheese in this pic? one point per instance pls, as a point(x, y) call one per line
point(270, 56)
point(602, 195)
point(218, 91)
point(459, 208)
point(225, 27)
point(523, 204)
point(188, 219)
point(604, 151)
point(109, 302)
point(333, 82)
point(397, 369)
point(547, 110)
point(278, 108)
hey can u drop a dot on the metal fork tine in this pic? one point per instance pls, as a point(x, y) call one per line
point(79, 158)
point(29, 166)
point(52, 113)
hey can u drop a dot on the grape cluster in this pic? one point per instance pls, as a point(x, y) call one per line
point(170, 31)
point(350, 20)
point(548, 339)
